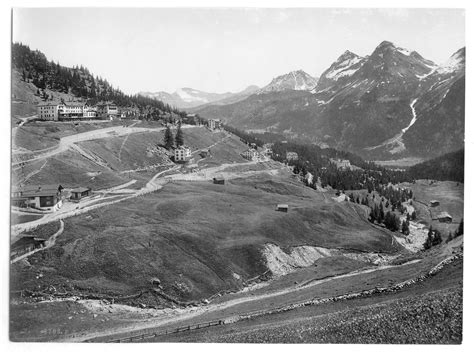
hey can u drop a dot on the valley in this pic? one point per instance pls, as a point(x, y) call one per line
point(314, 209)
point(220, 252)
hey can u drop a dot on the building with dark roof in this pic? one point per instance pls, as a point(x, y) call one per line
point(36, 196)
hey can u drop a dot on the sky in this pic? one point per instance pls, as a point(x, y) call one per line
point(221, 50)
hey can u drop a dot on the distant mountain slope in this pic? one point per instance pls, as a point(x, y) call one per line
point(446, 167)
point(189, 98)
point(295, 80)
point(37, 79)
point(390, 104)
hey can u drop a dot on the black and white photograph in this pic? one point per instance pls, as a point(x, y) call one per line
point(237, 175)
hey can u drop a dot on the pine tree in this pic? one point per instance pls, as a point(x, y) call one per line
point(450, 237)
point(460, 230)
point(437, 238)
point(429, 240)
point(179, 136)
point(168, 138)
point(406, 227)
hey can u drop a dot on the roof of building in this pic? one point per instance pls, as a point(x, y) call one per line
point(36, 190)
point(444, 215)
point(434, 201)
point(182, 147)
point(219, 178)
point(49, 103)
point(74, 103)
point(81, 189)
point(282, 205)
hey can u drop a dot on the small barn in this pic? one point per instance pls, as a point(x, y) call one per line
point(282, 207)
point(434, 203)
point(219, 180)
point(204, 153)
point(80, 193)
point(444, 217)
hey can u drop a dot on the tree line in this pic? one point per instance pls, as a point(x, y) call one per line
point(44, 74)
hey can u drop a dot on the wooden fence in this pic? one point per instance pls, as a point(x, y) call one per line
point(153, 334)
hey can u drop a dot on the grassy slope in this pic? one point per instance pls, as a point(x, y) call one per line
point(194, 236)
point(451, 197)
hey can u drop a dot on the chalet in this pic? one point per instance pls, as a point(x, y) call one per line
point(282, 207)
point(434, 203)
point(79, 193)
point(182, 154)
point(71, 110)
point(107, 110)
point(43, 196)
point(444, 217)
point(250, 154)
point(291, 156)
point(204, 153)
point(219, 180)
point(89, 112)
point(214, 124)
point(267, 149)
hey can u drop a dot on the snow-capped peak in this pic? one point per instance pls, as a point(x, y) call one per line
point(347, 64)
point(186, 94)
point(294, 80)
point(454, 63)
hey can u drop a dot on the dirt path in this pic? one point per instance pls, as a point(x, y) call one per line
point(174, 316)
point(66, 142)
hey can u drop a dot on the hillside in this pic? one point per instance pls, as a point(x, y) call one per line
point(36, 79)
point(446, 167)
point(389, 105)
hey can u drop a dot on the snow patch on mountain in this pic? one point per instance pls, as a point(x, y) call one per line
point(295, 80)
point(454, 63)
point(187, 97)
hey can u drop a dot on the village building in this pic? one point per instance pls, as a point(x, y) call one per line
point(250, 154)
point(48, 111)
point(219, 180)
point(434, 203)
point(267, 149)
point(43, 196)
point(214, 124)
point(282, 207)
point(291, 156)
point(79, 193)
point(89, 112)
point(444, 217)
point(341, 163)
point(107, 110)
point(204, 153)
point(182, 154)
point(71, 110)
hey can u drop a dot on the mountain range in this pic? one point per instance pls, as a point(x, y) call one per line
point(390, 104)
point(188, 97)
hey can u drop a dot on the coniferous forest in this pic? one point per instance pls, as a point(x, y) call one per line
point(34, 67)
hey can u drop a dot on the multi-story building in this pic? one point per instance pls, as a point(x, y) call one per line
point(71, 110)
point(107, 110)
point(291, 156)
point(250, 154)
point(48, 111)
point(182, 153)
point(89, 112)
point(214, 124)
point(54, 111)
